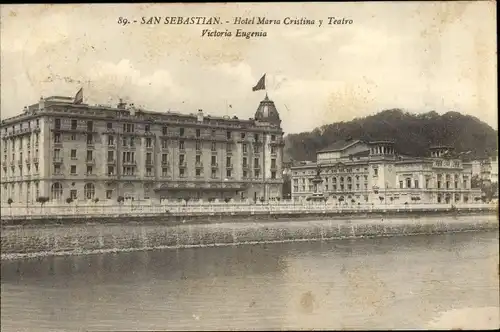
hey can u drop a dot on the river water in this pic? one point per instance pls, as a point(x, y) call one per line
point(379, 283)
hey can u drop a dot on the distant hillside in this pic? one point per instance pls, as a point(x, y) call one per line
point(412, 133)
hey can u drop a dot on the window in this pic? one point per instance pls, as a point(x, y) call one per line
point(73, 169)
point(109, 125)
point(228, 161)
point(74, 124)
point(244, 161)
point(214, 146)
point(229, 148)
point(89, 155)
point(57, 137)
point(109, 194)
point(147, 128)
point(164, 158)
point(149, 159)
point(273, 138)
point(57, 124)
point(148, 142)
point(257, 173)
point(181, 160)
point(56, 191)
point(273, 149)
point(181, 172)
point(57, 169)
point(164, 172)
point(73, 193)
point(228, 135)
point(401, 184)
point(273, 175)
point(256, 163)
point(408, 183)
point(198, 132)
point(198, 146)
point(214, 174)
point(164, 144)
point(111, 140)
point(72, 137)
point(198, 172)
point(426, 183)
point(111, 170)
point(416, 184)
point(73, 154)
point(273, 163)
point(132, 141)
point(256, 137)
point(181, 131)
point(89, 191)
point(149, 171)
point(90, 125)
point(213, 132)
point(128, 127)
point(214, 161)
point(89, 170)
point(256, 149)
point(242, 135)
point(164, 130)
point(181, 145)
point(375, 172)
point(111, 156)
point(245, 174)
point(90, 139)
point(228, 173)
point(198, 159)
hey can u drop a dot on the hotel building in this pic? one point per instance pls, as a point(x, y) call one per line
point(60, 149)
point(354, 171)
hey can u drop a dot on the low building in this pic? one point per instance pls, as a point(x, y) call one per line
point(354, 171)
point(60, 149)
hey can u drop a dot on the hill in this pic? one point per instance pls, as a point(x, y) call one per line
point(412, 134)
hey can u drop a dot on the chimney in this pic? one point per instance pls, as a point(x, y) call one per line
point(200, 115)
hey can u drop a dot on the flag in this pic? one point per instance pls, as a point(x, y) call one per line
point(261, 84)
point(79, 97)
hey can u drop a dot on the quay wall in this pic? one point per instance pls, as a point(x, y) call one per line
point(84, 238)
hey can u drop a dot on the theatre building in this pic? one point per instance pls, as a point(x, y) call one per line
point(59, 149)
point(354, 171)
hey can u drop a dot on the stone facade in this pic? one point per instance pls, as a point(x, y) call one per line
point(59, 149)
point(355, 172)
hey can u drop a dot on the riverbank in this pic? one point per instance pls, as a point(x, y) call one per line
point(85, 238)
point(195, 217)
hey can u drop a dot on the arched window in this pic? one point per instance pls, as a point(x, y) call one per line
point(408, 182)
point(89, 191)
point(56, 191)
point(349, 179)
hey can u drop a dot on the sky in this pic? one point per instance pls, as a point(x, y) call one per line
point(417, 56)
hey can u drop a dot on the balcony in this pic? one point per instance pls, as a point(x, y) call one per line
point(129, 163)
point(214, 165)
point(164, 163)
point(245, 166)
point(111, 161)
point(35, 160)
point(182, 164)
point(58, 144)
point(112, 176)
point(57, 160)
point(58, 175)
point(274, 167)
point(229, 166)
point(90, 161)
point(198, 152)
point(151, 147)
point(149, 163)
point(199, 164)
point(256, 166)
point(4, 163)
point(229, 152)
point(27, 161)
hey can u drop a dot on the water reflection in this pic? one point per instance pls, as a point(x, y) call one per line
point(366, 283)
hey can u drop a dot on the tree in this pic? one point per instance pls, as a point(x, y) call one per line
point(120, 199)
point(42, 200)
point(10, 201)
point(69, 200)
point(381, 198)
point(96, 200)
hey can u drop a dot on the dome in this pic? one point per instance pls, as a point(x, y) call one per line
point(267, 112)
